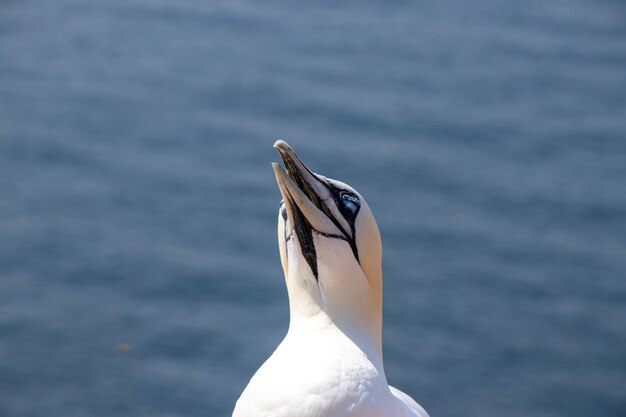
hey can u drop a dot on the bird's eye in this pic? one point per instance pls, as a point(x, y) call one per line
point(351, 203)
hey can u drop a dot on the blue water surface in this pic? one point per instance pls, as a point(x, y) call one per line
point(139, 272)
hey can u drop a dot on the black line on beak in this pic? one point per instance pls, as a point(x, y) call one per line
point(304, 231)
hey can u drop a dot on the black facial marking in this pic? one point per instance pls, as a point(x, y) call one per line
point(304, 231)
point(325, 208)
point(342, 237)
point(348, 213)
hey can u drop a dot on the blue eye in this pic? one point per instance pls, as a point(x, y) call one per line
point(350, 202)
point(349, 199)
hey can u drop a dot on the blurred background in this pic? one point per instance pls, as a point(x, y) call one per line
point(139, 271)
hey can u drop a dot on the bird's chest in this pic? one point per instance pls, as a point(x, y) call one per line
point(324, 379)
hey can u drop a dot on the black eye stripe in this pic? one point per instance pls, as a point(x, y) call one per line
point(350, 217)
point(338, 195)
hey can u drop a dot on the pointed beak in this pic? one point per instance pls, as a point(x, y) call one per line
point(305, 194)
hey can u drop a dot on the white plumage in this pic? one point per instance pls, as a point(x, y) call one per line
point(330, 363)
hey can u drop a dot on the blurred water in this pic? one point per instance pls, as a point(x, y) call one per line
point(137, 204)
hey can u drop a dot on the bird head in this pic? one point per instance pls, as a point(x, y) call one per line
point(330, 249)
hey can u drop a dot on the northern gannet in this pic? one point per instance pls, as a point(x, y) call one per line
point(330, 363)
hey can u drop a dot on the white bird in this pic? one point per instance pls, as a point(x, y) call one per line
point(330, 363)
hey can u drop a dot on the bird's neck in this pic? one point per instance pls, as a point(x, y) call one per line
point(365, 332)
